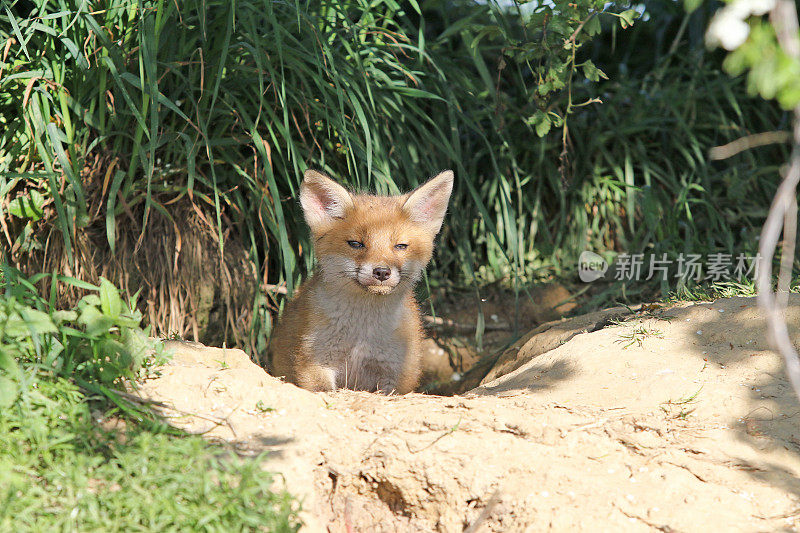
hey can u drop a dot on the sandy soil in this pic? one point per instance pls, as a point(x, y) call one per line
point(676, 419)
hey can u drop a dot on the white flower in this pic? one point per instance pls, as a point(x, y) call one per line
point(729, 27)
point(727, 30)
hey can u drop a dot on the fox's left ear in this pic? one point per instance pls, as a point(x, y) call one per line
point(427, 204)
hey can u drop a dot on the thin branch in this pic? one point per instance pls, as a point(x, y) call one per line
point(439, 322)
point(787, 29)
point(747, 142)
point(277, 289)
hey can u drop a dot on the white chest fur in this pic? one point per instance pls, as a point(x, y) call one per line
point(358, 338)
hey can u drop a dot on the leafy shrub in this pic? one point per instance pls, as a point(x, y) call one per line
point(60, 470)
point(98, 344)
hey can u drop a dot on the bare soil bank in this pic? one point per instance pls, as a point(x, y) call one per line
point(675, 419)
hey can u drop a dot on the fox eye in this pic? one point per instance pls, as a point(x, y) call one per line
point(400, 246)
point(355, 244)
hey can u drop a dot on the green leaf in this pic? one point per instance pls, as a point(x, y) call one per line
point(626, 18)
point(27, 206)
point(137, 345)
point(593, 73)
point(27, 239)
point(14, 327)
point(543, 128)
point(64, 316)
point(9, 390)
point(110, 301)
point(111, 222)
point(544, 88)
point(124, 321)
point(8, 362)
point(89, 299)
point(592, 26)
point(541, 123)
point(37, 322)
point(96, 323)
point(78, 283)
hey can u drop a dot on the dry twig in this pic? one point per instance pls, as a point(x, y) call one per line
point(782, 216)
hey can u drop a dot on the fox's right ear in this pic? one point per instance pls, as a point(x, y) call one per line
point(323, 199)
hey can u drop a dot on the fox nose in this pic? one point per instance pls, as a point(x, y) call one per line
point(381, 273)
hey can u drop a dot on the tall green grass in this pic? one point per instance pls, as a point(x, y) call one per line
point(638, 177)
point(127, 108)
point(228, 105)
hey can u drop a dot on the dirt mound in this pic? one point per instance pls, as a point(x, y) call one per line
point(672, 419)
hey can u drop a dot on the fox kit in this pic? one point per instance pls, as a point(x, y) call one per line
point(355, 323)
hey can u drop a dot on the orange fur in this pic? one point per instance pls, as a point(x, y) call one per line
point(355, 323)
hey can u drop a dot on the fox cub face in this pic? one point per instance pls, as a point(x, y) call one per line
point(373, 244)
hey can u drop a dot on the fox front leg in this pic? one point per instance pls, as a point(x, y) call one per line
point(317, 378)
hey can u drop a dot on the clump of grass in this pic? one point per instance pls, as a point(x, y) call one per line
point(637, 335)
point(713, 291)
point(60, 471)
point(682, 407)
